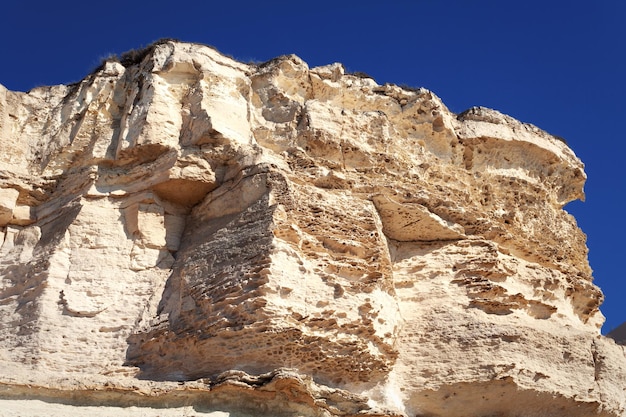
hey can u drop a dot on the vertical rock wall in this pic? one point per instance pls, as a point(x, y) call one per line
point(179, 216)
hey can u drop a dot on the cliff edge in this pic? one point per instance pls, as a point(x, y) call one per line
point(185, 233)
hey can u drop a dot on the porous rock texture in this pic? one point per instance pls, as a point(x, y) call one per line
point(184, 233)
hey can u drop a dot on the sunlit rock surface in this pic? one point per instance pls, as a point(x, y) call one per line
point(184, 233)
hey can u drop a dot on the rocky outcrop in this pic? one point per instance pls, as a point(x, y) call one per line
point(184, 230)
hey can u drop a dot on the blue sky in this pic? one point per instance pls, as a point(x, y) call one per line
point(558, 64)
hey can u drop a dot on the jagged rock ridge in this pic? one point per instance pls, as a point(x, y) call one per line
point(277, 238)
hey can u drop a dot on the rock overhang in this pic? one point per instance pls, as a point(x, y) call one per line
point(237, 202)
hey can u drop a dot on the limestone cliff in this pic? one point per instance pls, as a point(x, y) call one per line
point(184, 233)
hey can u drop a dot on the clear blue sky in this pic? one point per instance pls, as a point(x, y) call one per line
point(559, 64)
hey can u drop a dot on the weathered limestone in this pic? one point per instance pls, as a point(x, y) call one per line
point(180, 228)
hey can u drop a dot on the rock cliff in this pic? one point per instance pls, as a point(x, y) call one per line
point(185, 233)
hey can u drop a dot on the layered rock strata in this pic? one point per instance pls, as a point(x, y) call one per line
point(184, 230)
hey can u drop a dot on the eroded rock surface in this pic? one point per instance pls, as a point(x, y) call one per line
point(181, 229)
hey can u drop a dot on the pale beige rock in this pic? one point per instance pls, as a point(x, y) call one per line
point(8, 198)
point(181, 228)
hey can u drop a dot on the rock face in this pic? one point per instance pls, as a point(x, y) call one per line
point(183, 230)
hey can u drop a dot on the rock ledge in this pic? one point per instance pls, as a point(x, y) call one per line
point(185, 233)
